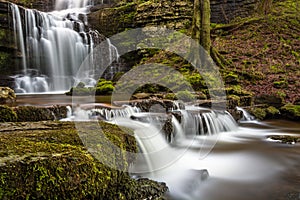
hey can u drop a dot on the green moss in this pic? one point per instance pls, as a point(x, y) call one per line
point(170, 96)
point(104, 87)
point(237, 90)
point(48, 161)
point(272, 112)
point(291, 111)
point(233, 101)
point(185, 96)
point(231, 78)
point(259, 113)
point(280, 84)
point(7, 114)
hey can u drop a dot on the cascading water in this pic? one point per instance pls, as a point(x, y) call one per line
point(202, 121)
point(53, 46)
point(235, 163)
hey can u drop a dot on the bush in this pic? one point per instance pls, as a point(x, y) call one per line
point(105, 90)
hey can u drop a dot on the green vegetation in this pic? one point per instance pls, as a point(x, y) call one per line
point(280, 84)
point(291, 111)
point(7, 114)
point(185, 96)
point(103, 87)
point(259, 113)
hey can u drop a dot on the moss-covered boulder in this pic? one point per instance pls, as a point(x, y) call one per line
point(258, 113)
point(291, 112)
point(7, 114)
point(47, 160)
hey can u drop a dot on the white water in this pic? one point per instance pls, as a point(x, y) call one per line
point(53, 46)
point(246, 116)
point(238, 160)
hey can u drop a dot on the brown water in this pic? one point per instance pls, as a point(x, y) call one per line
point(57, 99)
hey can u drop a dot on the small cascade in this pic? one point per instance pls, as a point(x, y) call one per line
point(112, 114)
point(54, 45)
point(177, 129)
point(245, 115)
point(104, 113)
point(202, 121)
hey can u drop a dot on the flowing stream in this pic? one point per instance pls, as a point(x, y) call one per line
point(222, 161)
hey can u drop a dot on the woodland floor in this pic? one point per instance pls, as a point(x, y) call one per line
point(264, 51)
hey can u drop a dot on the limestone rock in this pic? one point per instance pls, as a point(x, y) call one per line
point(7, 95)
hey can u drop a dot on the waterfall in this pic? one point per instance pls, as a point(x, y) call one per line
point(18, 32)
point(53, 46)
point(245, 115)
point(69, 4)
point(202, 121)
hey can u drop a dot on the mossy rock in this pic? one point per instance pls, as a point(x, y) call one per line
point(233, 101)
point(33, 114)
point(291, 111)
point(185, 96)
point(237, 90)
point(272, 112)
point(7, 114)
point(259, 113)
point(231, 79)
point(270, 100)
point(46, 160)
point(170, 96)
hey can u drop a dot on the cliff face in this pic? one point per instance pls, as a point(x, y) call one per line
point(42, 5)
point(8, 51)
point(175, 14)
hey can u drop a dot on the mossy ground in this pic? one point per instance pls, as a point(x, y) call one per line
point(47, 160)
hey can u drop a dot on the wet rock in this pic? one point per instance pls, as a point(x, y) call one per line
point(7, 114)
point(168, 128)
point(7, 95)
point(148, 105)
point(270, 100)
point(236, 114)
point(286, 139)
point(149, 189)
